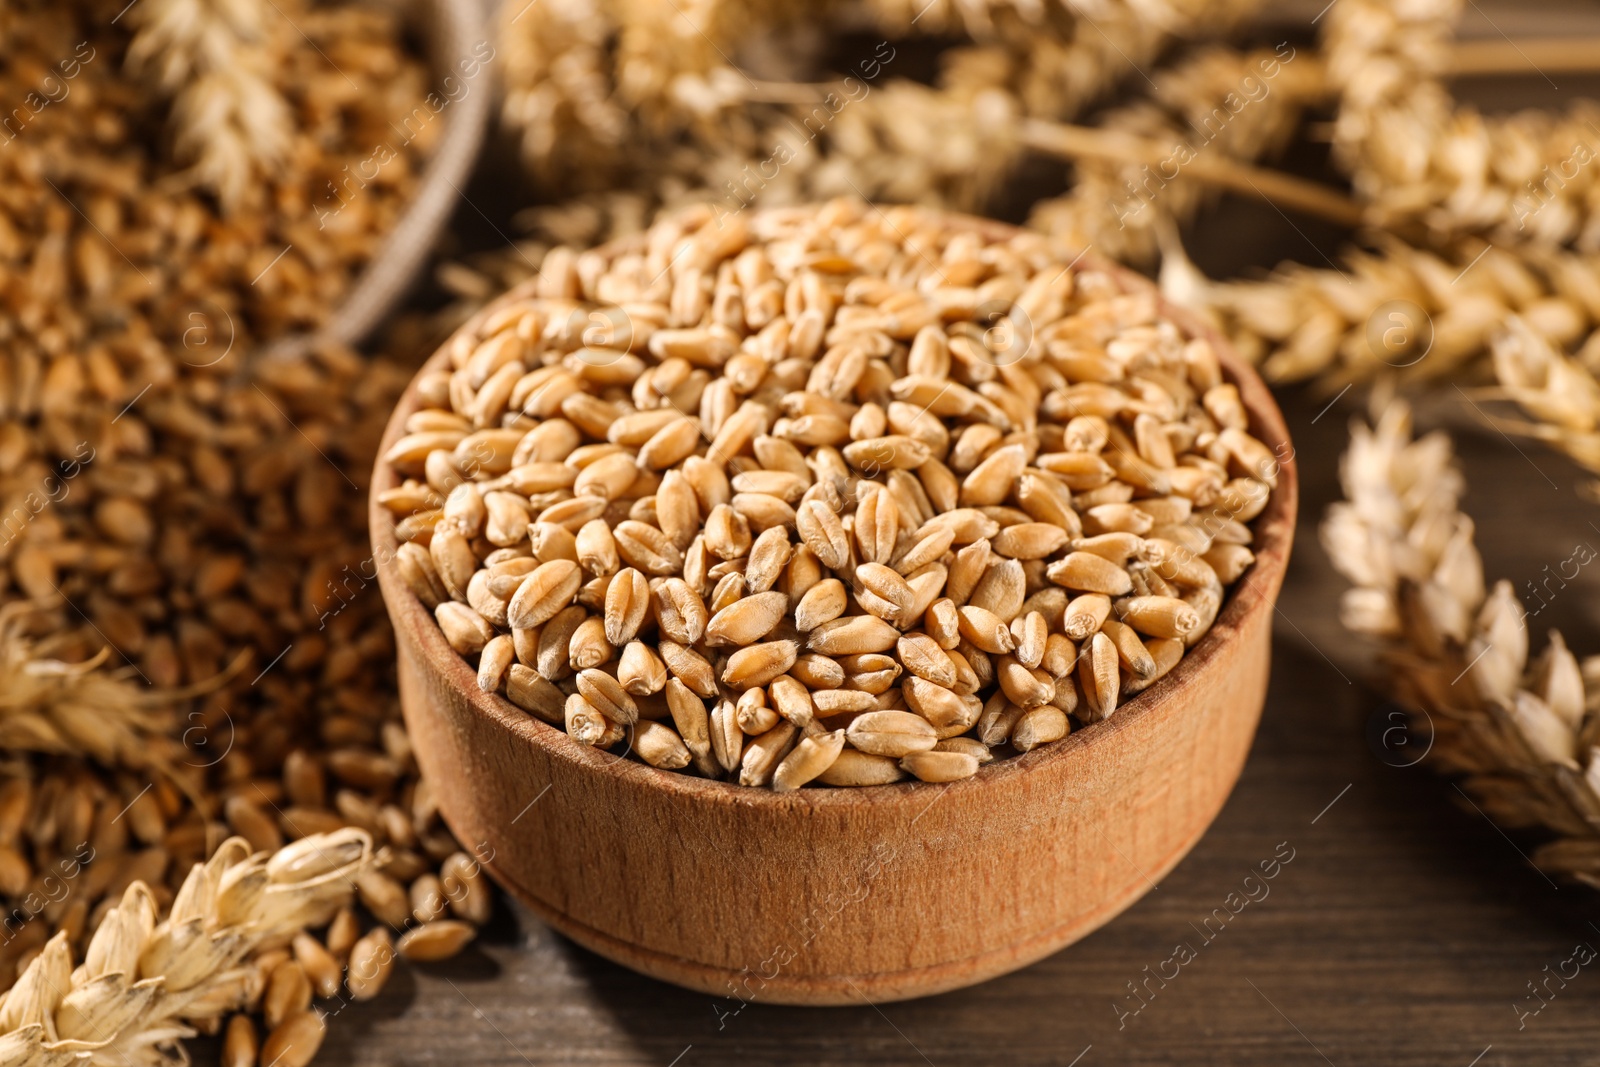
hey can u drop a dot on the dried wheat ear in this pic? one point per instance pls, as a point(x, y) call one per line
point(216, 60)
point(828, 495)
point(628, 100)
point(1420, 158)
point(1523, 733)
point(145, 981)
point(1470, 216)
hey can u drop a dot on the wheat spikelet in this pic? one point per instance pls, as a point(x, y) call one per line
point(143, 984)
point(1058, 56)
point(1559, 393)
point(1523, 732)
point(588, 84)
point(1384, 60)
point(51, 707)
point(230, 123)
point(910, 143)
point(558, 88)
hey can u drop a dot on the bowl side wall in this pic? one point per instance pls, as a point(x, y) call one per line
point(912, 890)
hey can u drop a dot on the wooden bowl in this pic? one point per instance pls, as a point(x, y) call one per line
point(836, 896)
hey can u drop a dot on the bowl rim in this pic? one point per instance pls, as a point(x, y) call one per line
point(1273, 528)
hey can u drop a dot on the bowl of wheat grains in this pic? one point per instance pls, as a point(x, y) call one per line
point(829, 603)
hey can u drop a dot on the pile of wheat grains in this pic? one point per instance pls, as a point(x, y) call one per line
point(118, 261)
point(183, 517)
point(831, 495)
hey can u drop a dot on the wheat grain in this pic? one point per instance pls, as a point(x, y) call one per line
point(810, 758)
point(435, 940)
point(764, 754)
point(371, 962)
point(891, 733)
point(936, 766)
point(467, 891)
point(953, 539)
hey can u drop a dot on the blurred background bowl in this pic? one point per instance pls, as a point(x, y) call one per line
point(448, 30)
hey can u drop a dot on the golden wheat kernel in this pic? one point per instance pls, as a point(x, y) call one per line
point(640, 669)
point(821, 603)
point(544, 592)
point(660, 746)
point(465, 630)
point(1001, 590)
point(436, 940)
point(758, 664)
point(747, 620)
point(811, 757)
point(855, 768)
point(295, 1041)
point(1087, 572)
point(680, 612)
point(531, 692)
point(891, 733)
point(1158, 616)
point(753, 713)
point(817, 672)
point(852, 635)
point(763, 755)
point(934, 766)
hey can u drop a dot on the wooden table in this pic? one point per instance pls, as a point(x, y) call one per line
point(1405, 930)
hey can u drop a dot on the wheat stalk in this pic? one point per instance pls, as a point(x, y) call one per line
point(1119, 206)
point(144, 983)
point(1522, 732)
point(213, 57)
